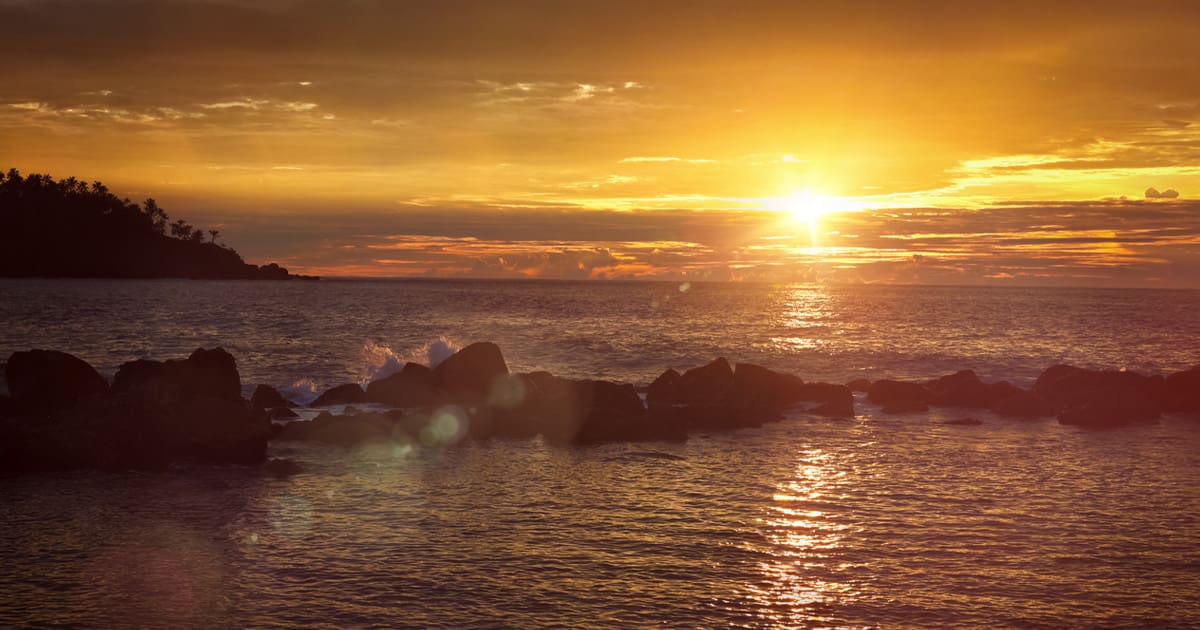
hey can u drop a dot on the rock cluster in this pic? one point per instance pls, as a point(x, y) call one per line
point(62, 414)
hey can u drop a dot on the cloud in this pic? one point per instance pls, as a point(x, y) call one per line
point(1153, 193)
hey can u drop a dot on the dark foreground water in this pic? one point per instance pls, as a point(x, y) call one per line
point(891, 521)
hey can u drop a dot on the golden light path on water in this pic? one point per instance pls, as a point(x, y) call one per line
point(803, 535)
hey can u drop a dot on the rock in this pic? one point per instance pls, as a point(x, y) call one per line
point(347, 394)
point(281, 413)
point(834, 400)
point(267, 397)
point(964, 422)
point(898, 395)
point(468, 375)
point(615, 414)
point(710, 384)
point(661, 392)
point(413, 386)
point(46, 380)
point(710, 417)
point(859, 385)
point(156, 412)
point(7, 406)
point(208, 373)
point(282, 467)
point(218, 430)
point(1024, 404)
point(1182, 391)
point(1101, 399)
point(760, 388)
point(344, 430)
point(965, 389)
point(904, 405)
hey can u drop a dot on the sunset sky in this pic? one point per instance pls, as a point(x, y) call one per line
point(892, 141)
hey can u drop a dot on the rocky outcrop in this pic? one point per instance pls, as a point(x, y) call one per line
point(1181, 391)
point(468, 375)
point(155, 413)
point(899, 396)
point(47, 380)
point(1101, 399)
point(965, 389)
point(347, 394)
point(413, 386)
point(267, 397)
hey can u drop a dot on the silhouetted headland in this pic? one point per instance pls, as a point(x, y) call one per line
point(71, 229)
point(62, 414)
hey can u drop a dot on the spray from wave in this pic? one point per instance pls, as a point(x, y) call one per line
point(382, 361)
point(303, 391)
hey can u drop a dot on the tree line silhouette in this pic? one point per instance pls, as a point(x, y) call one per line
point(70, 228)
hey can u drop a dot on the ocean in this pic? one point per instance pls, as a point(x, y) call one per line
point(878, 521)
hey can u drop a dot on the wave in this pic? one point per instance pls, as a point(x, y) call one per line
point(382, 361)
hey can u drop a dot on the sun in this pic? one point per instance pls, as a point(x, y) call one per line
point(806, 206)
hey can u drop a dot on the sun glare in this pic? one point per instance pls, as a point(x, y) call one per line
point(806, 206)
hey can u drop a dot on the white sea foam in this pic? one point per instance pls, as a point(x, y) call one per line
point(382, 361)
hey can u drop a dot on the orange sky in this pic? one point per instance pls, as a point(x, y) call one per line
point(891, 141)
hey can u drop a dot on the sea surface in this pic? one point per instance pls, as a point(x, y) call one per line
point(878, 521)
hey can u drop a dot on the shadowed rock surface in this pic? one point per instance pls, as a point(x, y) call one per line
point(267, 397)
point(44, 380)
point(1101, 399)
point(155, 413)
point(347, 394)
point(413, 386)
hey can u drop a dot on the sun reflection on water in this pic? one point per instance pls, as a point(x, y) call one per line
point(799, 583)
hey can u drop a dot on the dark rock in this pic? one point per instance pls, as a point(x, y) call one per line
point(47, 379)
point(898, 394)
point(1182, 391)
point(964, 422)
point(7, 406)
point(904, 405)
point(834, 400)
point(206, 373)
point(282, 467)
point(710, 384)
point(347, 394)
point(267, 397)
point(1101, 399)
point(766, 392)
point(343, 430)
point(965, 389)
point(155, 413)
point(1024, 404)
point(218, 430)
point(468, 375)
point(715, 417)
point(661, 392)
point(413, 386)
point(615, 414)
point(859, 385)
point(281, 413)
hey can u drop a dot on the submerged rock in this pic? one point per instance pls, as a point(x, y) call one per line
point(1024, 404)
point(966, 389)
point(859, 385)
point(347, 394)
point(45, 380)
point(282, 467)
point(898, 395)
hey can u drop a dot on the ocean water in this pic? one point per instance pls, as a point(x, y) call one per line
point(879, 521)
